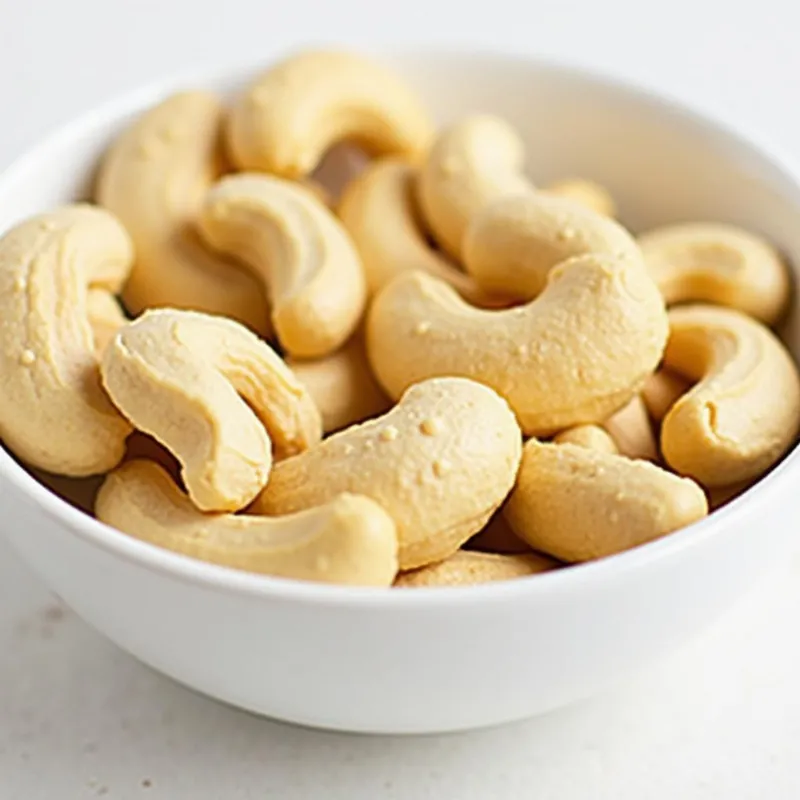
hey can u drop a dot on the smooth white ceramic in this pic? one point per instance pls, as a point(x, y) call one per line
point(435, 660)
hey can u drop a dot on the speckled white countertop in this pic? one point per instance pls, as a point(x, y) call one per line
point(79, 719)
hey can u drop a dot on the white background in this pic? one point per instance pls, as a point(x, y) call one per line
point(79, 719)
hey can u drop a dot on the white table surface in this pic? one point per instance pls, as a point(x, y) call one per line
point(80, 719)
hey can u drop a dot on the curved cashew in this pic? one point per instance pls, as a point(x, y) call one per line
point(588, 193)
point(298, 249)
point(297, 110)
point(378, 209)
point(592, 437)
point(349, 540)
point(154, 178)
point(342, 386)
point(440, 463)
point(576, 504)
point(468, 567)
point(744, 412)
point(105, 316)
point(471, 163)
point(178, 376)
point(514, 242)
point(661, 390)
point(576, 354)
point(53, 411)
point(721, 264)
point(497, 537)
point(632, 432)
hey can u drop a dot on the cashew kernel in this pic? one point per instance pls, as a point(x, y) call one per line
point(592, 437)
point(632, 432)
point(661, 390)
point(105, 316)
point(497, 537)
point(588, 193)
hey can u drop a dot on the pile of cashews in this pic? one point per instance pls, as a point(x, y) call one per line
point(443, 376)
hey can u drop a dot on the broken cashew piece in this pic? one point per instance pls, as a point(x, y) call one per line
point(744, 411)
point(349, 540)
point(378, 209)
point(184, 377)
point(287, 120)
point(575, 354)
point(299, 251)
point(577, 504)
point(513, 243)
point(440, 463)
point(592, 437)
point(471, 163)
point(661, 390)
point(469, 567)
point(720, 264)
point(54, 413)
point(342, 386)
point(154, 178)
point(588, 193)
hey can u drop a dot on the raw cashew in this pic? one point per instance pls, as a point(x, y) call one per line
point(513, 243)
point(342, 386)
point(716, 263)
point(592, 437)
point(576, 504)
point(349, 540)
point(471, 163)
point(661, 390)
point(497, 537)
point(178, 376)
point(378, 209)
point(154, 178)
point(575, 354)
point(744, 412)
point(298, 249)
point(53, 412)
point(440, 463)
point(297, 110)
point(632, 432)
point(587, 193)
point(468, 567)
point(105, 316)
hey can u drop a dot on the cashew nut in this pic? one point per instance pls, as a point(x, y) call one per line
point(440, 463)
point(577, 504)
point(721, 264)
point(378, 209)
point(661, 390)
point(592, 437)
point(154, 178)
point(53, 411)
point(342, 386)
point(471, 163)
point(298, 249)
point(105, 316)
point(577, 353)
point(744, 412)
point(468, 567)
point(178, 376)
point(513, 243)
point(632, 432)
point(497, 537)
point(297, 110)
point(588, 193)
point(349, 540)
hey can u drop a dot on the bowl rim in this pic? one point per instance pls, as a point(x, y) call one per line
point(228, 579)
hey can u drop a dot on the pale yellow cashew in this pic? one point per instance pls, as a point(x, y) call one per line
point(53, 412)
point(440, 463)
point(468, 567)
point(575, 354)
point(298, 249)
point(379, 210)
point(716, 263)
point(576, 504)
point(592, 437)
point(632, 432)
point(471, 163)
point(342, 386)
point(513, 243)
point(287, 120)
point(587, 193)
point(105, 316)
point(184, 377)
point(349, 540)
point(497, 537)
point(744, 412)
point(661, 390)
point(154, 178)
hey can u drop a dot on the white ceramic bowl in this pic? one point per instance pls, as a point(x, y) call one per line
point(435, 660)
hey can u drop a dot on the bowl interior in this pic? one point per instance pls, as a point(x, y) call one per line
point(661, 163)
